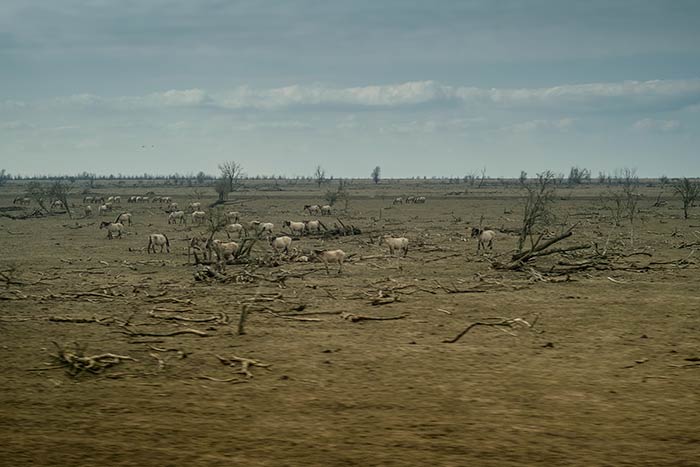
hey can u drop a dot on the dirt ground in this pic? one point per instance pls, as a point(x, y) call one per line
point(608, 374)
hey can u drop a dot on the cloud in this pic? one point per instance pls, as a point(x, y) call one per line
point(434, 125)
point(627, 96)
point(373, 96)
point(562, 124)
point(274, 125)
point(177, 98)
point(663, 126)
point(16, 125)
point(12, 105)
point(156, 100)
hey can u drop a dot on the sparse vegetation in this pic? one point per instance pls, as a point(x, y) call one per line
point(376, 174)
point(689, 192)
point(523, 177)
point(555, 301)
point(537, 209)
point(232, 172)
point(578, 175)
point(319, 175)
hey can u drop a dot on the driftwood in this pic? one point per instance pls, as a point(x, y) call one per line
point(245, 364)
point(161, 362)
point(384, 300)
point(455, 290)
point(234, 380)
point(169, 310)
point(355, 318)
point(280, 278)
point(242, 319)
point(186, 301)
point(291, 317)
point(341, 230)
point(507, 322)
point(310, 313)
point(65, 319)
point(180, 353)
point(34, 214)
point(220, 318)
point(77, 362)
point(165, 334)
point(540, 248)
point(75, 295)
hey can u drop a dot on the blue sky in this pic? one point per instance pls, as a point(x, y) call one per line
point(419, 88)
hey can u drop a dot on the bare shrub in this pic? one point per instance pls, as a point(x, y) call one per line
point(231, 172)
point(376, 174)
point(689, 193)
point(537, 212)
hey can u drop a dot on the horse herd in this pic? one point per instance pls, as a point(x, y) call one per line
point(228, 250)
point(224, 250)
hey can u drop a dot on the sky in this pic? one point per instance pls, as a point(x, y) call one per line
point(419, 88)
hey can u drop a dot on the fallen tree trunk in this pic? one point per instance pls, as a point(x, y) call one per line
point(541, 249)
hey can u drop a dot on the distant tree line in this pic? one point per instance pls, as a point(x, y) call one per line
point(576, 176)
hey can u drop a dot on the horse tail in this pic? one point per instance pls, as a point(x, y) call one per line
point(167, 242)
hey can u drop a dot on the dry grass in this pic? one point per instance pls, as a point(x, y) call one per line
point(605, 376)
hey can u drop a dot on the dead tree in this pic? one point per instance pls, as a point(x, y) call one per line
point(232, 173)
point(537, 210)
point(39, 193)
point(540, 248)
point(319, 175)
point(689, 193)
point(630, 182)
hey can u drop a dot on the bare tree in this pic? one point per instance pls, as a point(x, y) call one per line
point(376, 173)
point(232, 173)
point(470, 178)
point(43, 195)
point(578, 175)
point(537, 210)
point(221, 187)
point(689, 193)
point(523, 177)
point(320, 175)
point(483, 177)
point(614, 202)
point(344, 196)
point(59, 191)
point(38, 193)
point(630, 184)
point(4, 177)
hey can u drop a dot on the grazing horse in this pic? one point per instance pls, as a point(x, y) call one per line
point(485, 238)
point(160, 240)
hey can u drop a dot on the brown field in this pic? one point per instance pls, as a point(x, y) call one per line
point(608, 374)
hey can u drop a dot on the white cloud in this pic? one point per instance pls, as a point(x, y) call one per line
point(12, 105)
point(434, 125)
point(627, 96)
point(274, 125)
point(16, 125)
point(177, 98)
point(90, 143)
point(664, 126)
point(562, 124)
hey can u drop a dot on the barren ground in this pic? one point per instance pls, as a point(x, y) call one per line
point(605, 377)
